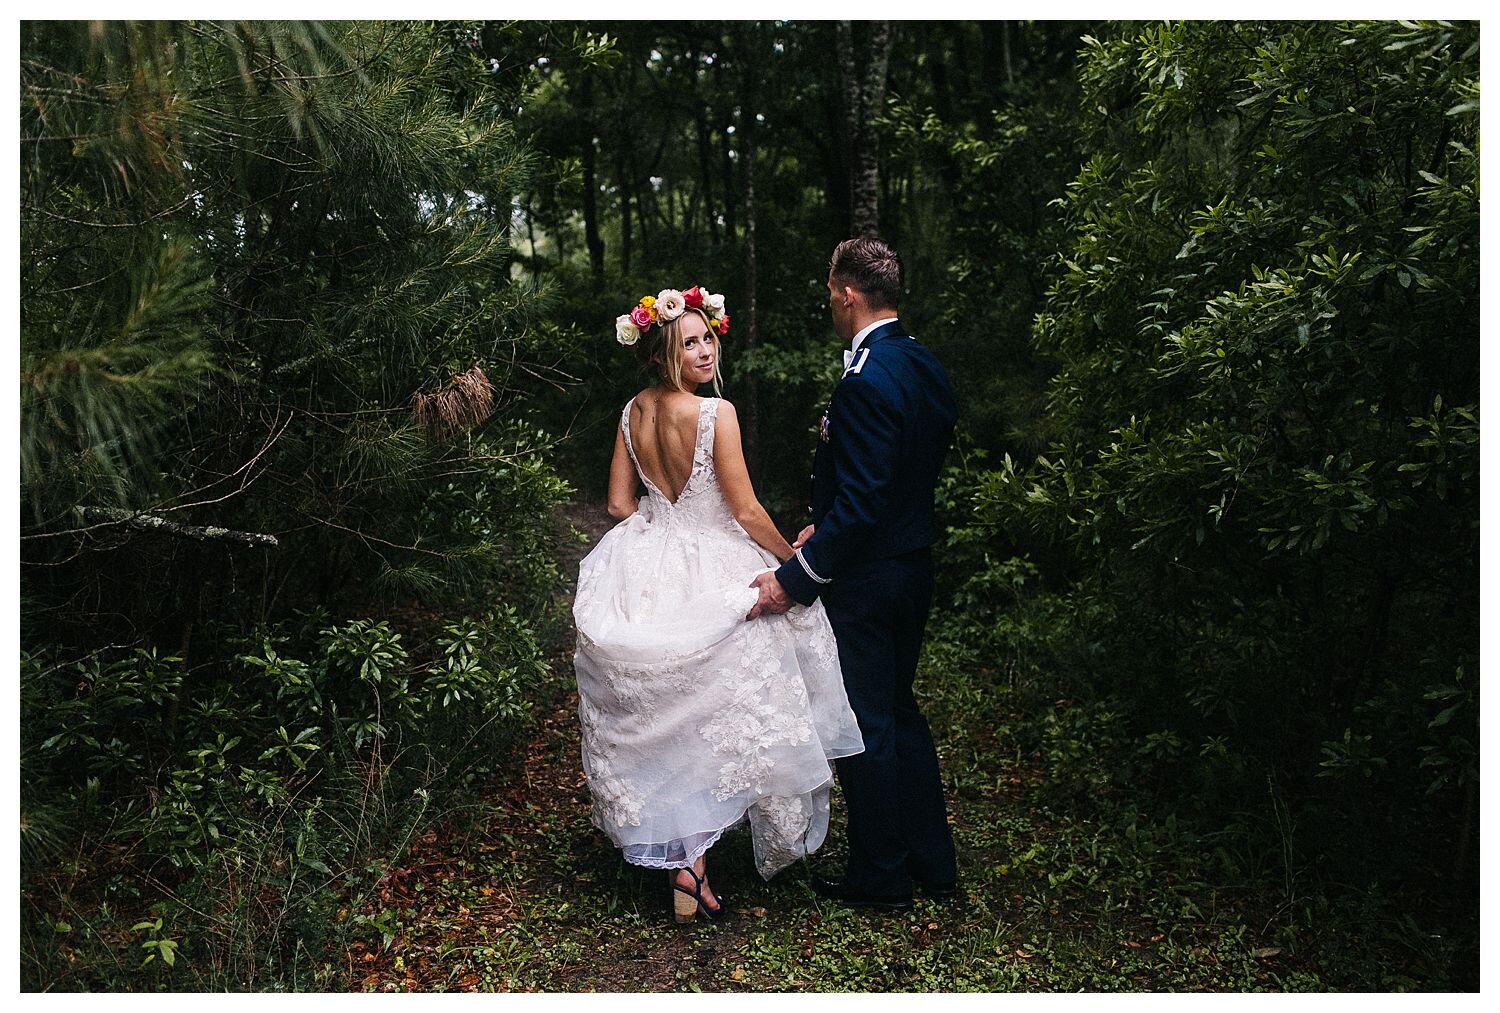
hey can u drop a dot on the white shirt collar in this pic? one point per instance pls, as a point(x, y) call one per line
point(864, 333)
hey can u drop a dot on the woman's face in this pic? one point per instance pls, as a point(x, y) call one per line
point(700, 350)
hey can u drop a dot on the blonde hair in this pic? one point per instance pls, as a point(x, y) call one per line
point(662, 350)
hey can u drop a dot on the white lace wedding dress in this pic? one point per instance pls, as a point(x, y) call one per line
point(694, 719)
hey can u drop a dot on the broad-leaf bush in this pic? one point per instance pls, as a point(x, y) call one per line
point(1264, 463)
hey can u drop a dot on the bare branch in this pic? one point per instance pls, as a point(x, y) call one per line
point(150, 522)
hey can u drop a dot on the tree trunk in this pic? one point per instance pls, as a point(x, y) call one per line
point(1010, 72)
point(624, 231)
point(864, 95)
point(730, 204)
point(591, 182)
point(705, 173)
point(937, 73)
point(750, 336)
point(642, 214)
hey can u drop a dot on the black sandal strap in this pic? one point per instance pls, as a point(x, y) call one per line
point(697, 891)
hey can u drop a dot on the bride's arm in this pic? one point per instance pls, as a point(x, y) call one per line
point(621, 480)
point(734, 480)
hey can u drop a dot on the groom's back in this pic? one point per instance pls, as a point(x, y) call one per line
point(910, 385)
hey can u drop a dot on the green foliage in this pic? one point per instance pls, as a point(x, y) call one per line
point(310, 231)
point(277, 797)
point(979, 230)
point(490, 665)
point(246, 247)
point(1264, 462)
point(156, 945)
point(99, 385)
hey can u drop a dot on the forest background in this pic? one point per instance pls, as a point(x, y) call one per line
point(317, 359)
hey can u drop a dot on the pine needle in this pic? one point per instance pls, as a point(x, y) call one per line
point(463, 402)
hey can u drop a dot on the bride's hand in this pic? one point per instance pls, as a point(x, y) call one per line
point(802, 537)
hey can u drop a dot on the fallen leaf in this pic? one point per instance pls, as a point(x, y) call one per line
point(738, 974)
point(758, 912)
point(1266, 951)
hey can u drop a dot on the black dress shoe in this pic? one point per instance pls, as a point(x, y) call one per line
point(938, 891)
point(854, 898)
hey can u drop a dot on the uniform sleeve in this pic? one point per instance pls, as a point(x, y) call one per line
point(865, 446)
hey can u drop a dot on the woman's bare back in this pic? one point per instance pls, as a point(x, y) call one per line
point(663, 433)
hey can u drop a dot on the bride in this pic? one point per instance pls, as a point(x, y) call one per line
point(695, 719)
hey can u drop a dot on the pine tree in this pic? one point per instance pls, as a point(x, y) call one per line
point(247, 247)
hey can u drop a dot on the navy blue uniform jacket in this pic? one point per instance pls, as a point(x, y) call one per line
point(881, 445)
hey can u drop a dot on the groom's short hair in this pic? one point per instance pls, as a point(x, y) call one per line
point(873, 267)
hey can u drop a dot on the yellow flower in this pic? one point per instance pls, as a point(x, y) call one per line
point(654, 317)
point(649, 301)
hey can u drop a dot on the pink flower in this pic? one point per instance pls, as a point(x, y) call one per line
point(641, 317)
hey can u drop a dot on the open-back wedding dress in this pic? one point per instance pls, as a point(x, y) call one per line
point(693, 718)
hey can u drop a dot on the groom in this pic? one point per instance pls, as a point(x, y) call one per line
point(867, 554)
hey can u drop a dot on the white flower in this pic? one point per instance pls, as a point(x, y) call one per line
point(713, 304)
point(626, 333)
point(669, 304)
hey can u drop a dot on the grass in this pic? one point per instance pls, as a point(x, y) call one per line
point(528, 896)
point(1062, 889)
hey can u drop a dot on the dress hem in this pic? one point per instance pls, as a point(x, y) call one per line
point(693, 856)
point(701, 850)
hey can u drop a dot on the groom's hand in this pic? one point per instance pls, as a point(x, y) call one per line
point(773, 598)
point(802, 537)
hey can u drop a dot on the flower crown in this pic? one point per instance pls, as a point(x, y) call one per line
point(668, 305)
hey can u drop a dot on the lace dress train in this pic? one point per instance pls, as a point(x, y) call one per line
point(694, 719)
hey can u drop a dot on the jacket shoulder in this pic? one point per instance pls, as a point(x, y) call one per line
point(887, 360)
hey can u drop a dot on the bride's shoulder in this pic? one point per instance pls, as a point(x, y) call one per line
point(726, 422)
point(638, 405)
point(684, 406)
